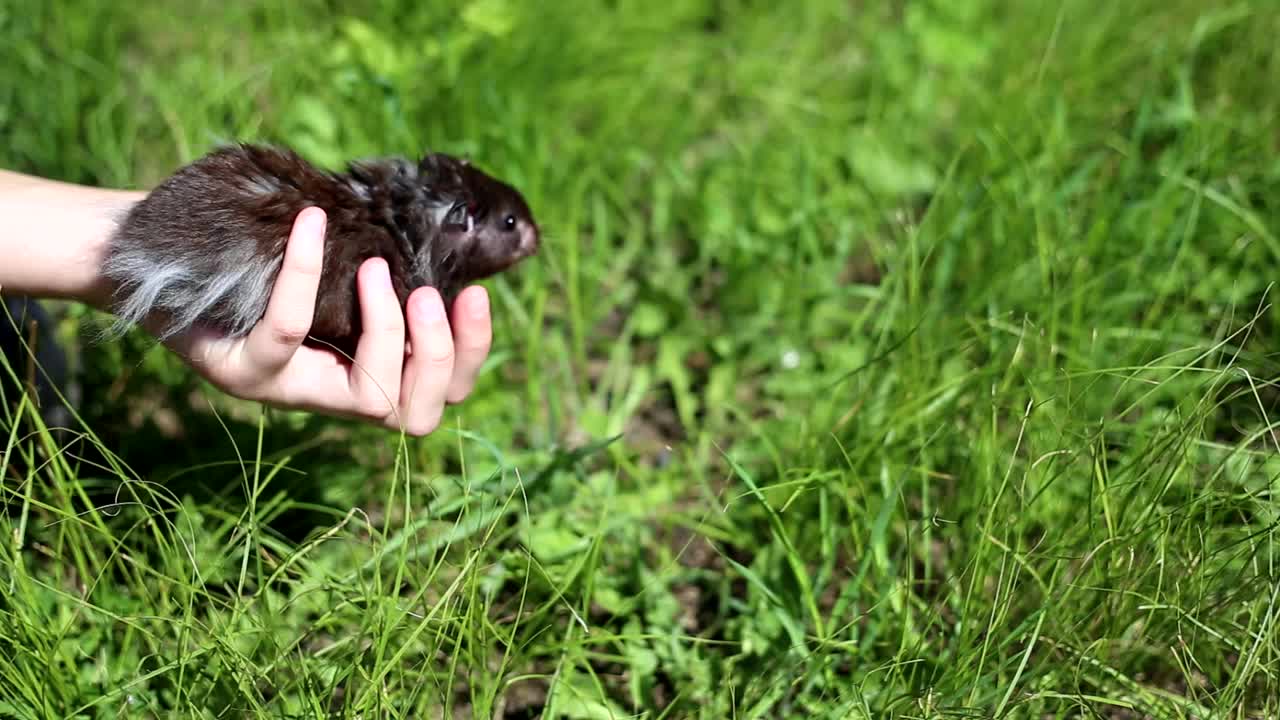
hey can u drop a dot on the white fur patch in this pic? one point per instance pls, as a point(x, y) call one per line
point(242, 285)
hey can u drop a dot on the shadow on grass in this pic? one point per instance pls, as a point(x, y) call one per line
point(59, 424)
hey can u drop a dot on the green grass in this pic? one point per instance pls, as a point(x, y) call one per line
point(885, 360)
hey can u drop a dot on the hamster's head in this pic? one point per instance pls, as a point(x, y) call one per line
point(487, 226)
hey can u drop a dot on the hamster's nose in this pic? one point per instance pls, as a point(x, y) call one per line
point(529, 238)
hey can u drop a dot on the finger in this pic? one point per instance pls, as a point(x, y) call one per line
point(472, 338)
point(429, 369)
point(379, 358)
point(284, 326)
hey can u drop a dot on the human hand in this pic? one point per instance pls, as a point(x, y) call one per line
point(389, 383)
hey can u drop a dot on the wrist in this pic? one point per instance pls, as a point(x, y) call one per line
point(54, 235)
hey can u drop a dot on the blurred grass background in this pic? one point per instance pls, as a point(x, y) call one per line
point(899, 359)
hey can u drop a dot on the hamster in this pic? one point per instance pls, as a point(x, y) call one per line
point(203, 248)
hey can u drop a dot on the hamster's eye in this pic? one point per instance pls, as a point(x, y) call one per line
point(509, 222)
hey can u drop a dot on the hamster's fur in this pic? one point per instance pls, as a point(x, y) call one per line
point(205, 245)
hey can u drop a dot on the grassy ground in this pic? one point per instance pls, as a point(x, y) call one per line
point(890, 359)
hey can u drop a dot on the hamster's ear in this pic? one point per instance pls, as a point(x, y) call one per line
point(430, 163)
point(441, 169)
point(456, 217)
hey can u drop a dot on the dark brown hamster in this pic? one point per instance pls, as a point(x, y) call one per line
point(204, 247)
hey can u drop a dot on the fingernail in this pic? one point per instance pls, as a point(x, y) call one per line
point(480, 306)
point(316, 218)
point(381, 274)
point(435, 308)
point(430, 307)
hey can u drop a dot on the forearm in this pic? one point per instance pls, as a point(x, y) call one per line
point(53, 236)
